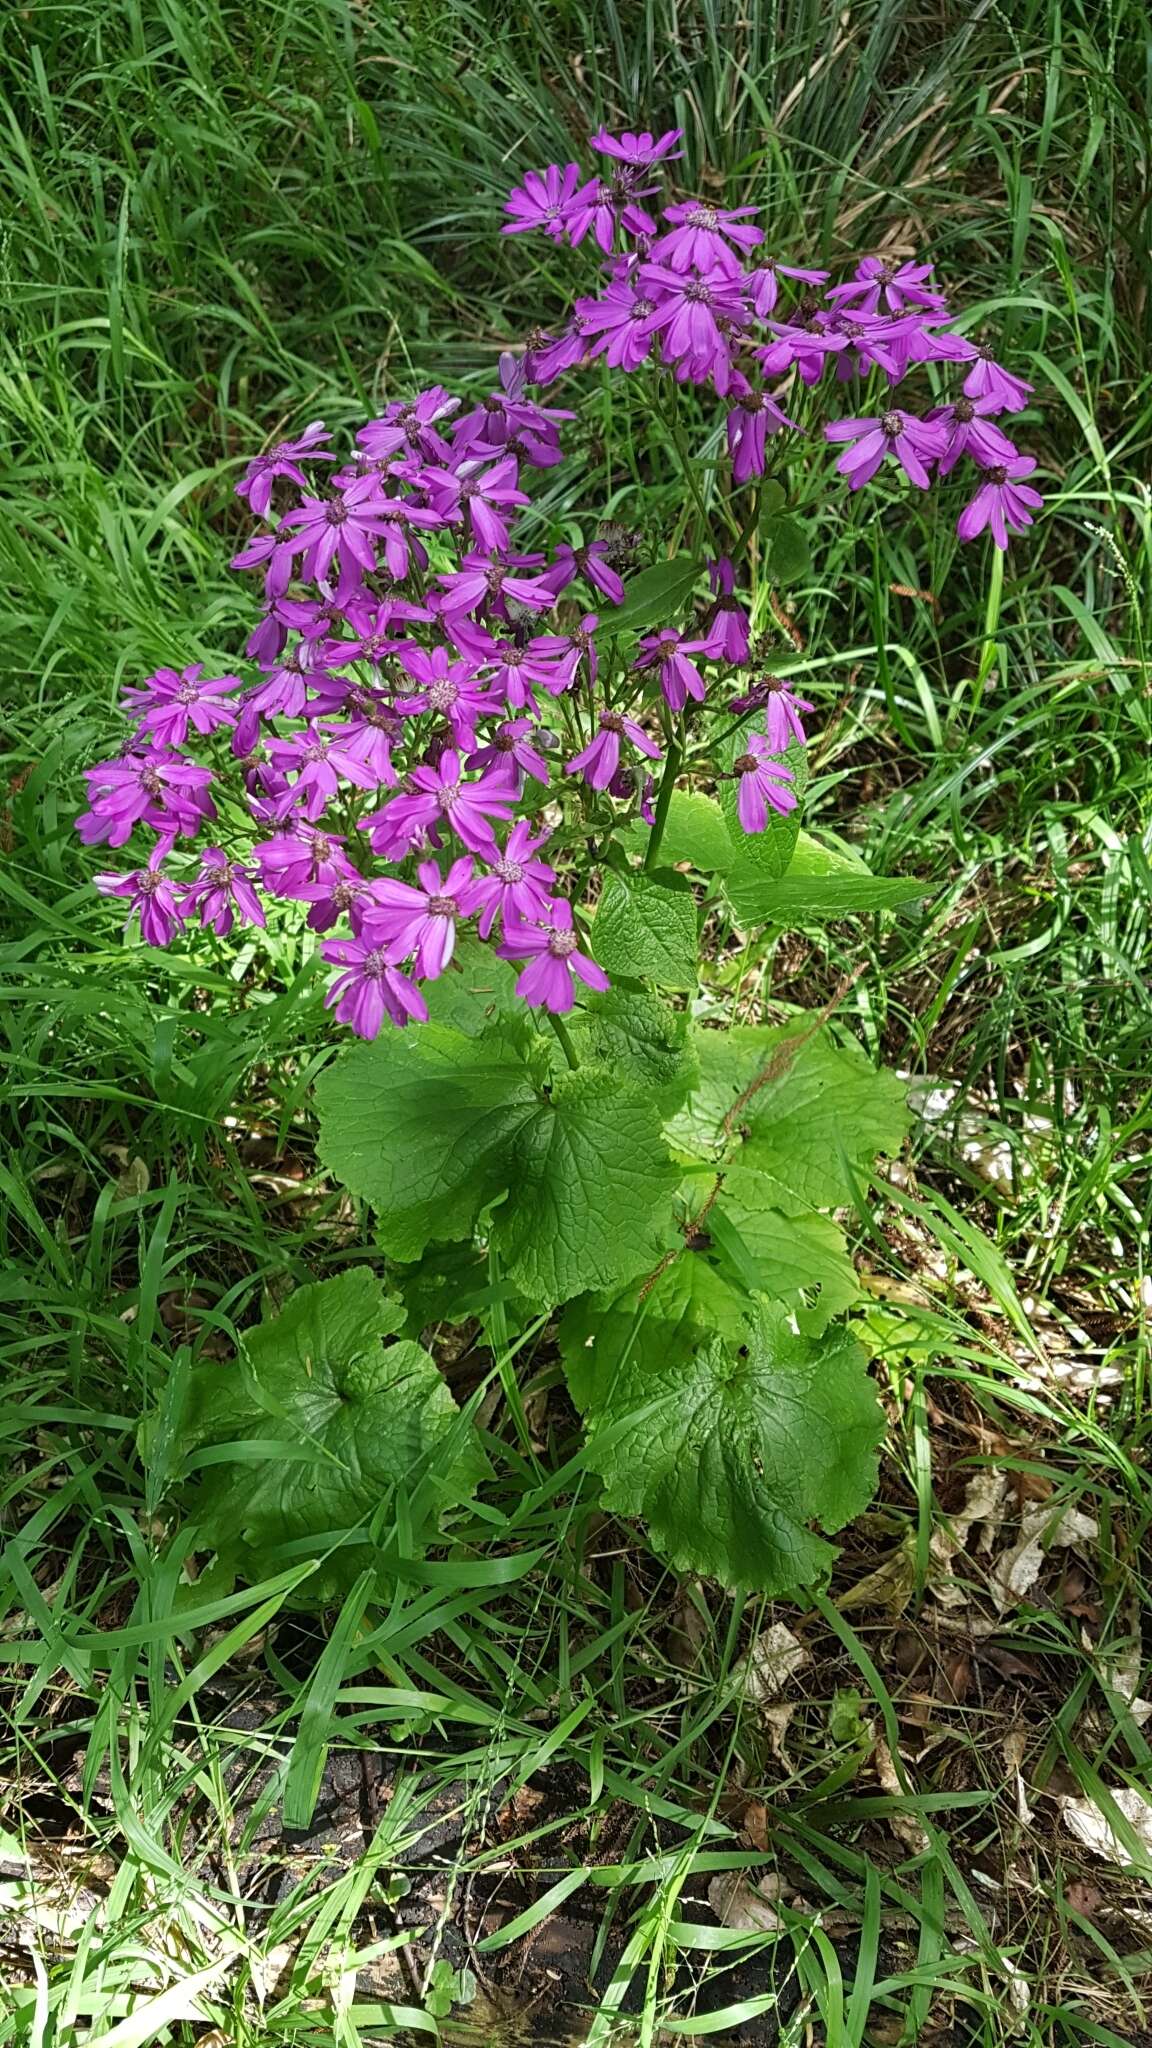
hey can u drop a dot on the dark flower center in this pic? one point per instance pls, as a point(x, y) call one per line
point(702, 217)
point(151, 782)
point(886, 273)
point(562, 945)
point(443, 694)
point(611, 721)
point(892, 424)
point(448, 795)
point(963, 411)
point(318, 751)
point(442, 906)
point(699, 293)
point(985, 353)
point(187, 693)
point(745, 764)
point(217, 878)
point(997, 476)
point(640, 309)
point(375, 962)
point(509, 871)
point(494, 578)
point(148, 882)
point(505, 743)
point(344, 894)
point(336, 513)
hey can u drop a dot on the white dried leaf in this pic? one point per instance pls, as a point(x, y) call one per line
point(748, 1907)
point(765, 1669)
point(1041, 1529)
point(1090, 1825)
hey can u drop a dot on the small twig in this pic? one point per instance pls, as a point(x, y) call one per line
point(779, 1061)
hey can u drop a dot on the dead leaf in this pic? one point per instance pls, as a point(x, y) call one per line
point(1015, 1747)
point(768, 1664)
point(748, 1907)
point(890, 1586)
point(904, 1826)
point(1041, 1530)
point(1092, 1826)
point(755, 1823)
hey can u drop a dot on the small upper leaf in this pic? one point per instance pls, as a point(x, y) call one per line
point(638, 1036)
point(789, 554)
point(654, 597)
point(645, 926)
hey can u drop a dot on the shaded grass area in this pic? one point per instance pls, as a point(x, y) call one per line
point(227, 219)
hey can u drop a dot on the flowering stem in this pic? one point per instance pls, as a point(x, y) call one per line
point(672, 762)
point(565, 1037)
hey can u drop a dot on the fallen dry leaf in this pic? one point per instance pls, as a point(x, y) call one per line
point(766, 1667)
point(1092, 1826)
point(748, 1907)
point(1016, 1571)
point(904, 1826)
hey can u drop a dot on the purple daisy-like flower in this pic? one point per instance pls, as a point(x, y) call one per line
point(152, 897)
point(749, 424)
point(687, 311)
point(482, 582)
point(448, 688)
point(591, 562)
point(554, 958)
point(727, 628)
point(283, 460)
point(410, 427)
point(763, 782)
point(576, 646)
point(781, 707)
point(642, 150)
point(320, 763)
point(509, 752)
point(988, 379)
point(481, 497)
point(370, 988)
point(337, 532)
point(700, 235)
point(546, 200)
point(438, 796)
point(222, 892)
point(670, 651)
point(972, 430)
point(420, 921)
point(369, 731)
point(160, 790)
point(1004, 503)
point(515, 887)
point(883, 284)
point(174, 699)
point(296, 864)
point(911, 442)
point(764, 284)
point(617, 325)
point(512, 669)
point(598, 761)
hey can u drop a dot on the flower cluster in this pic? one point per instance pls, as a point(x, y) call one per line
point(434, 722)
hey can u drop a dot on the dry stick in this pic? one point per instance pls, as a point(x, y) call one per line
point(779, 1061)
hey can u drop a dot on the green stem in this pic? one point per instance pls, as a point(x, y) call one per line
point(563, 1034)
point(667, 784)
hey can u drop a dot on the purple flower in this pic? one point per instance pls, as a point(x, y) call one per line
point(986, 379)
point(700, 234)
point(727, 628)
point(478, 495)
point(407, 920)
point(762, 782)
point(296, 864)
point(174, 699)
point(512, 669)
point(687, 311)
point(370, 731)
point(483, 582)
point(882, 282)
point(547, 355)
point(449, 688)
point(283, 460)
point(911, 442)
point(437, 796)
point(163, 791)
point(320, 763)
point(600, 760)
point(369, 988)
point(618, 325)
point(222, 889)
point(372, 625)
point(545, 200)
point(782, 708)
point(679, 677)
point(807, 347)
point(591, 562)
point(552, 952)
point(516, 885)
point(1003, 503)
point(153, 897)
point(510, 754)
point(507, 422)
point(750, 422)
point(972, 432)
point(577, 645)
point(408, 427)
point(269, 552)
point(641, 150)
point(283, 693)
point(765, 284)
